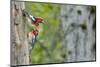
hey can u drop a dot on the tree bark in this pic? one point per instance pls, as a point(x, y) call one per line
point(19, 45)
point(77, 23)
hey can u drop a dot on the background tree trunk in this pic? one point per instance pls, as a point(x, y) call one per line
point(78, 23)
point(19, 45)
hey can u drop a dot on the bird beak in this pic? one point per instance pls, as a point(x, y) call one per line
point(43, 22)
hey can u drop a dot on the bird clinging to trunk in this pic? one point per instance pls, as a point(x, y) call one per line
point(34, 20)
point(32, 38)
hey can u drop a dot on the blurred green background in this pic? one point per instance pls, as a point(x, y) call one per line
point(48, 48)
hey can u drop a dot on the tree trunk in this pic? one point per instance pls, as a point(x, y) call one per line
point(19, 45)
point(77, 22)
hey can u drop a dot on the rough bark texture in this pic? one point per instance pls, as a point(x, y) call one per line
point(78, 22)
point(19, 45)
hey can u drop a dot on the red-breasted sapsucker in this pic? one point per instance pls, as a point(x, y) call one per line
point(34, 20)
point(32, 38)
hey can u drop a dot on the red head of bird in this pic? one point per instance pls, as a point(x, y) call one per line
point(37, 21)
point(35, 32)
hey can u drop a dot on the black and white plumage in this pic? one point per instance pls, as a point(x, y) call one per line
point(31, 40)
point(31, 17)
point(28, 15)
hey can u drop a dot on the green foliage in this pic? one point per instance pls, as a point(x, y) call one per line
point(48, 47)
